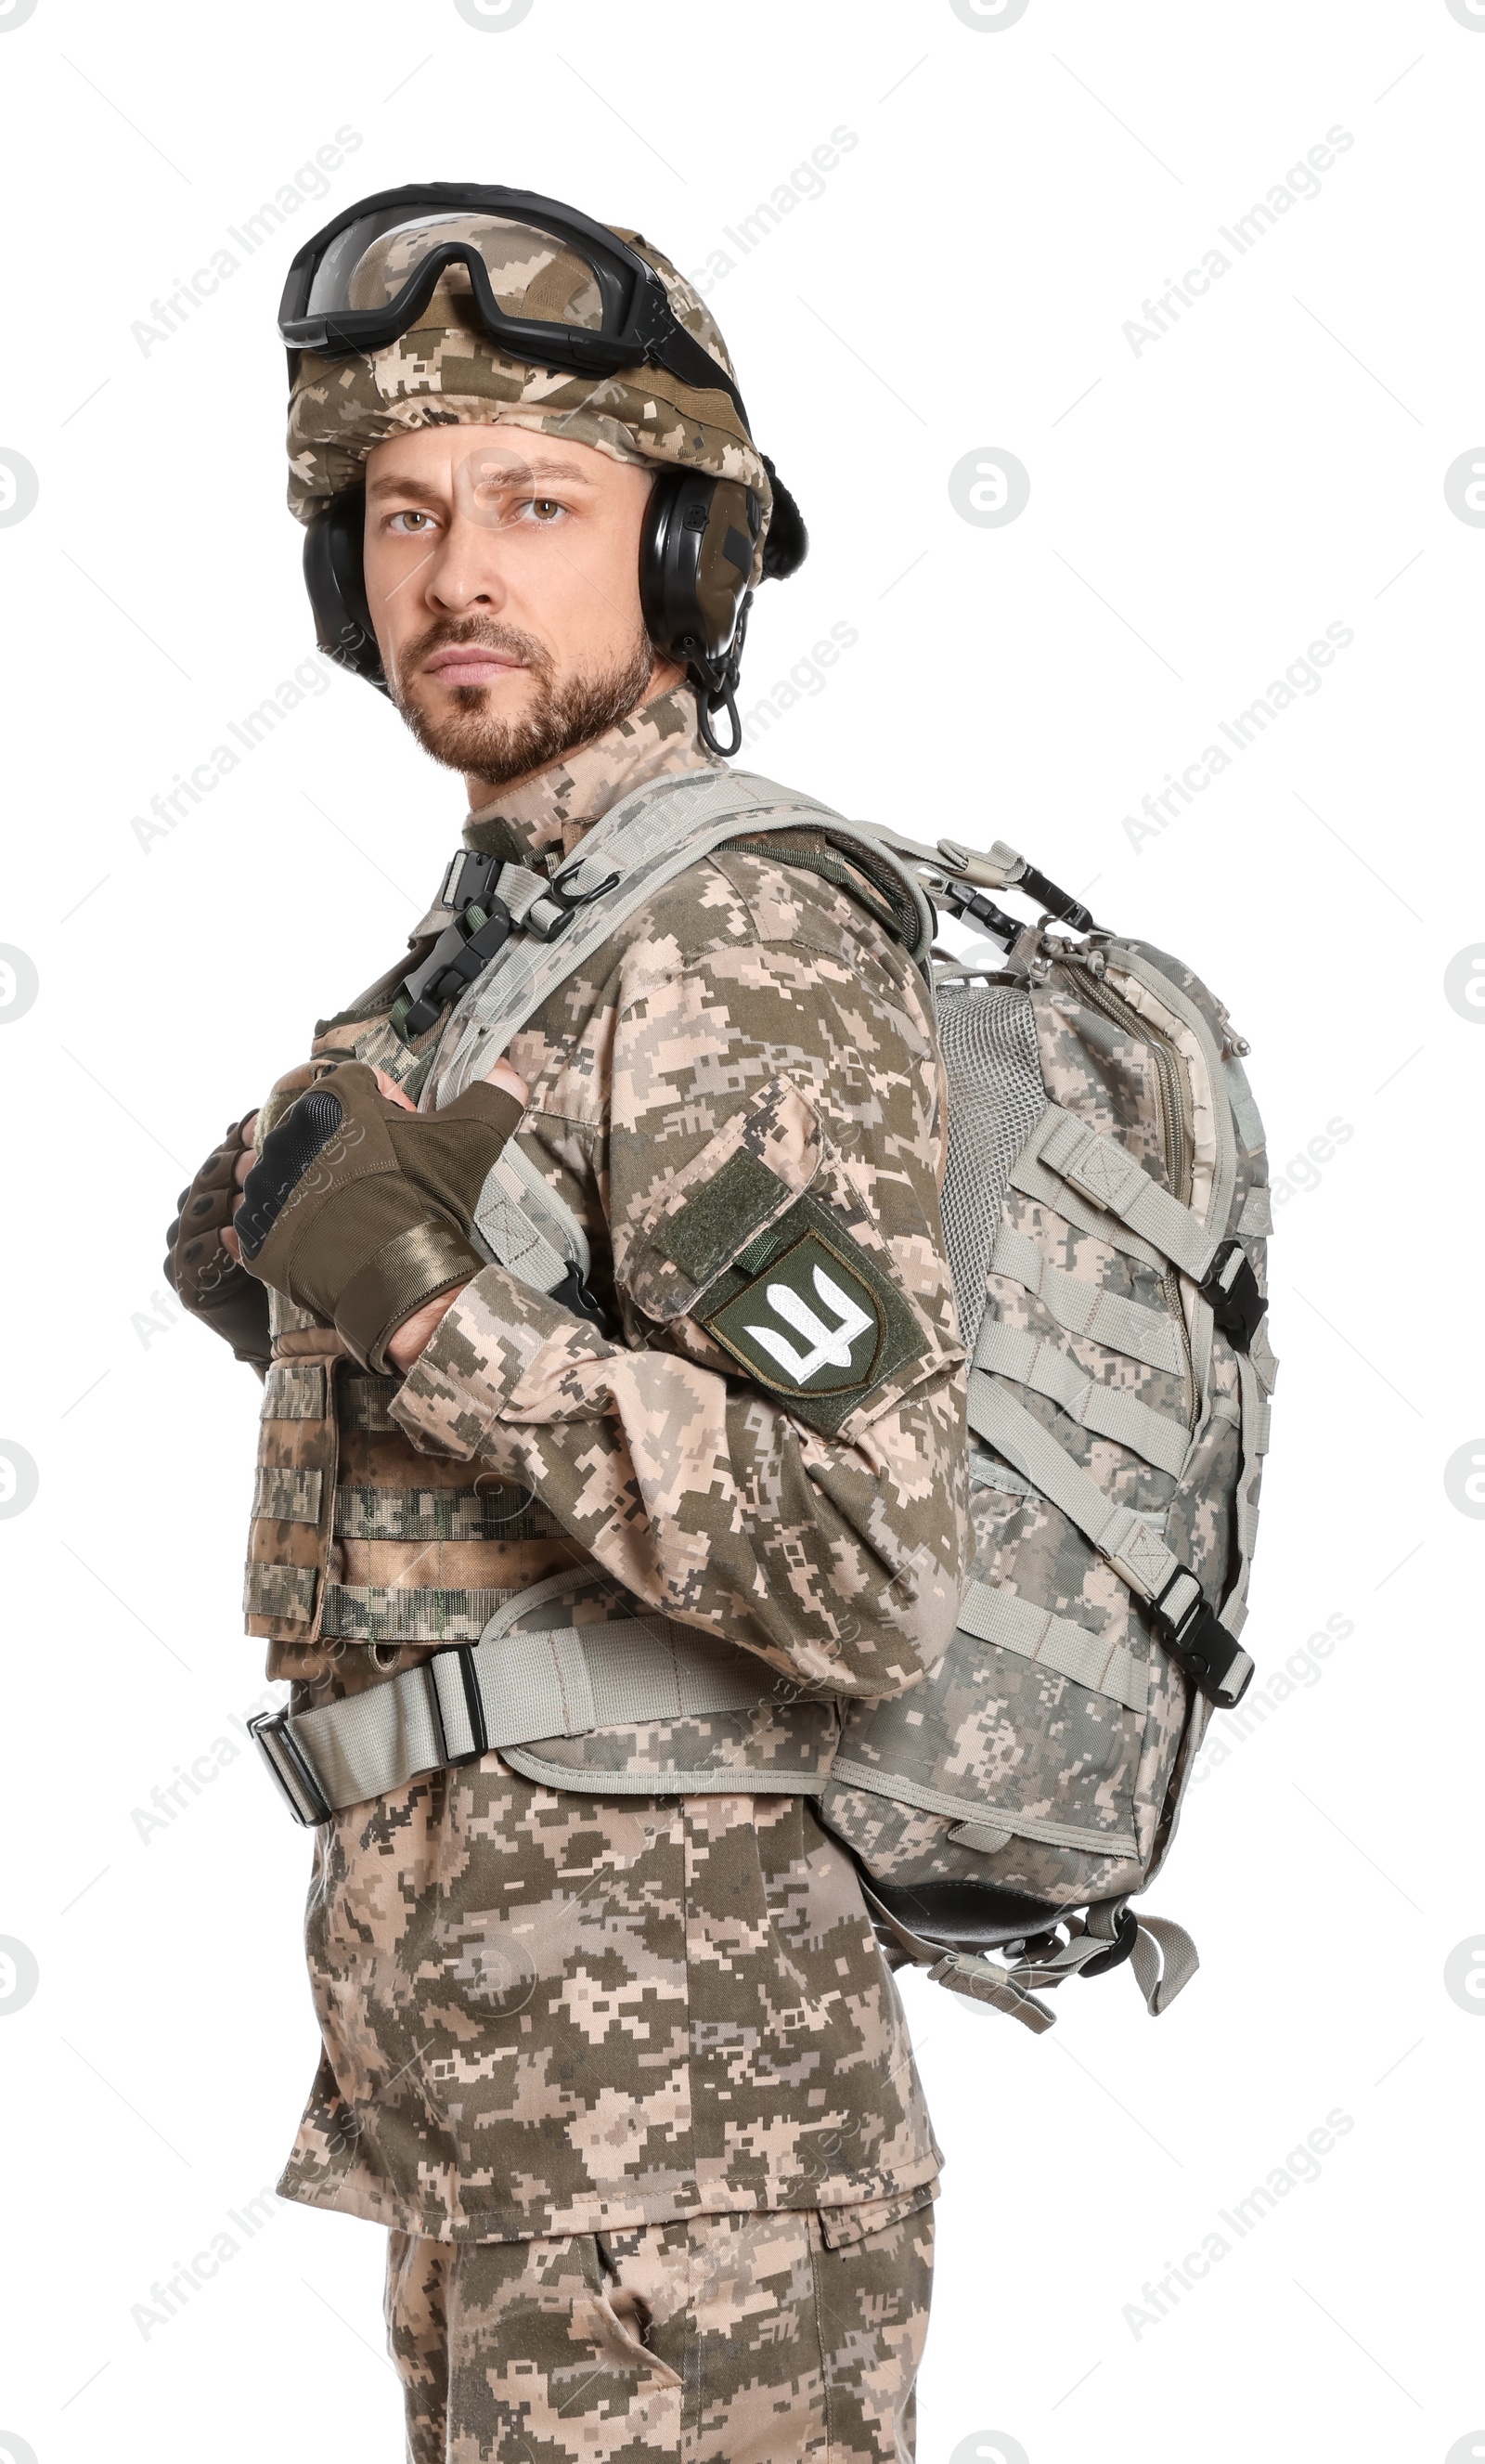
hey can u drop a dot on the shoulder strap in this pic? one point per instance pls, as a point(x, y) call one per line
point(627, 857)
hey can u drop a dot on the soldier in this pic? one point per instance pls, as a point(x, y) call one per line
point(609, 2042)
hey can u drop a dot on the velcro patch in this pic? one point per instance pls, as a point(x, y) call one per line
point(812, 1317)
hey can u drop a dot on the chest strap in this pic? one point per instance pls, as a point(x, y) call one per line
point(515, 1689)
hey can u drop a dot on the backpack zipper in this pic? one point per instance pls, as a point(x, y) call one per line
point(1177, 1132)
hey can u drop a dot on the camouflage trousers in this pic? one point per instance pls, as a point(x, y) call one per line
point(751, 2338)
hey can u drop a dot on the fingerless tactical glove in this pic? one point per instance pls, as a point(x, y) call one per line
point(204, 1279)
point(362, 1212)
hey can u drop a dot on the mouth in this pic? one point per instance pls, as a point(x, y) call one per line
point(471, 663)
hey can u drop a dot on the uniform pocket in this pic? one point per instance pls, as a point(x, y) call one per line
point(839, 2226)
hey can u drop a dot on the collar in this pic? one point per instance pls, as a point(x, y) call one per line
point(555, 808)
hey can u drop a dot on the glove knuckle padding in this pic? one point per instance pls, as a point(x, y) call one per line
point(204, 1279)
point(361, 1211)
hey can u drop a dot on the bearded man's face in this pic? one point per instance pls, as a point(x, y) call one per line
point(502, 574)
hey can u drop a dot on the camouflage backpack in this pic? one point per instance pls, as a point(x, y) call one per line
point(1106, 1207)
point(1104, 1211)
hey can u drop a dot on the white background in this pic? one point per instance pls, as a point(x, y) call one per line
point(1200, 510)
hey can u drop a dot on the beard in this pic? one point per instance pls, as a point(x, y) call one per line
point(562, 713)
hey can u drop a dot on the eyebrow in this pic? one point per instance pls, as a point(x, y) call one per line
point(527, 472)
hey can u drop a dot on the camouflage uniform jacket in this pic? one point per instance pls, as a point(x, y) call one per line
point(550, 2008)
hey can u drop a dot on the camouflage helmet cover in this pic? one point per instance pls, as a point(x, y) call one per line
point(447, 370)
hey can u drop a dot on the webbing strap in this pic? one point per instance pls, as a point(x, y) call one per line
point(1080, 1308)
point(408, 1612)
point(628, 855)
point(1162, 1956)
point(511, 1689)
point(1136, 1554)
point(964, 1971)
point(294, 1390)
point(518, 886)
point(281, 1494)
point(1107, 1411)
point(1056, 1642)
point(507, 1232)
point(492, 1511)
point(1257, 1215)
point(1113, 1178)
point(1254, 1425)
point(1031, 1177)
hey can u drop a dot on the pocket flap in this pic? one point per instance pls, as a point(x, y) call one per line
point(840, 2225)
point(742, 1181)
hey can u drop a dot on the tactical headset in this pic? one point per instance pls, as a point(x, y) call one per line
point(700, 533)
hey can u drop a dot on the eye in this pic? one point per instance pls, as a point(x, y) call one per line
point(413, 523)
point(544, 511)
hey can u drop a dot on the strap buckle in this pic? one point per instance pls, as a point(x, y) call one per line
point(1213, 1658)
point(1126, 1928)
point(1229, 1289)
point(461, 953)
point(462, 1654)
point(293, 1776)
point(549, 916)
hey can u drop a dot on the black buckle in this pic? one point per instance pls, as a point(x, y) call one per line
point(461, 952)
point(1126, 1929)
point(972, 902)
point(1201, 1642)
point(275, 1723)
point(1229, 1289)
point(1057, 902)
point(463, 1654)
point(573, 1293)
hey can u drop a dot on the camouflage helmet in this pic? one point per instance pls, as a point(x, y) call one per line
point(446, 369)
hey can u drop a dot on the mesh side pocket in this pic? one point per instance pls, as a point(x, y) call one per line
point(988, 1036)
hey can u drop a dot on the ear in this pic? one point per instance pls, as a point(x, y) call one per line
point(788, 542)
point(335, 576)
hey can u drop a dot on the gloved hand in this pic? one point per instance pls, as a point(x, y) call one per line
point(204, 1279)
point(361, 1210)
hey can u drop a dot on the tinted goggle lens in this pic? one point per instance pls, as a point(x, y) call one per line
point(370, 265)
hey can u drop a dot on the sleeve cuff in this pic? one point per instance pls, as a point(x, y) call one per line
point(482, 1350)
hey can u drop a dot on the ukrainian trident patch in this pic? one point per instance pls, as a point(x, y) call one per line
point(812, 1317)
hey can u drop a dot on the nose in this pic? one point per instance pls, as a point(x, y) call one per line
point(465, 573)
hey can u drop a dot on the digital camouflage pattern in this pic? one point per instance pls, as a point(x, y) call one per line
point(547, 2009)
point(721, 2339)
point(1071, 1791)
point(448, 368)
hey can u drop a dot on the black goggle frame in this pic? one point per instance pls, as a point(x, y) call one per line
point(639, 326)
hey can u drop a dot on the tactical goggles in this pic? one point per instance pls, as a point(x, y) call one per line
point(368, 276)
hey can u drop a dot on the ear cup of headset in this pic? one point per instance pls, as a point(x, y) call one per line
point(695, 563)
point(336, 580)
